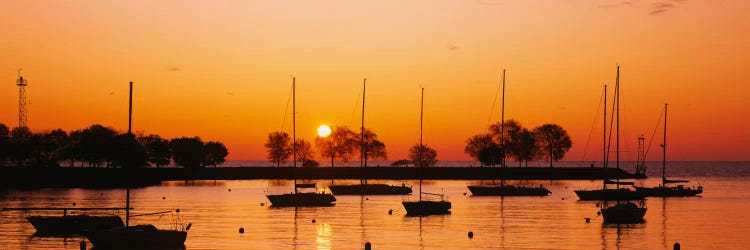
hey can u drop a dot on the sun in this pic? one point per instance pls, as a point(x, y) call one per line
point(324, 131)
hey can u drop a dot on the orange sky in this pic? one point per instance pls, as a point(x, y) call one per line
point(221, 70)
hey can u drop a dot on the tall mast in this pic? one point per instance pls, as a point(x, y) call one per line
point(664, 152)
point(604, 141)
point(294, 128)
point(421, 114)
point(502, 124)
point(617, 135)
point(127, 185)
point(363, 147)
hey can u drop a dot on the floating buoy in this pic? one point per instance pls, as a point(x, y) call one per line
point(563, 198)
point(390, 211)
point(101, 193)
point(163, 197)
point(74, 203)
point(464, 193)
point(676, 246)
point(313, 221)
point(242, 230)
point(178, 210)
point(588, 220)
point(598, 213)
point(368, 246)
point(471, 235)
point(262, 204)
point(230, 190)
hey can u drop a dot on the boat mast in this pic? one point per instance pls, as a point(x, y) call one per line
point(130, 133)
point(294, 129)
point(502, 124)
point(421, 114)
point(604, 141)
point(364, 147)
point(617, 134)
point(664, 151)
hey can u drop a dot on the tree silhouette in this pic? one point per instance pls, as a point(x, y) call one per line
point(4, 144)
point(510, 138)
point(95, 145)
point(278, 146)
point(342, 143)
point(304, 151)
point(49, 148)
point(216, 153)
point(127, 152)
point(375, 148)
point(157, 149)
point(491, 155)
point(188, 152)
point(21, 147)
point(527, 149)
point(477, 143)
point(428, 156)
point(554, 141)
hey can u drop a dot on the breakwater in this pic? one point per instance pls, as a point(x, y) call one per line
point(85, 177)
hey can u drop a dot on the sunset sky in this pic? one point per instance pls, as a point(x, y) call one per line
point(222, 70)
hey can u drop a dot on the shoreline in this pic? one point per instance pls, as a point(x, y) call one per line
point(87, 177)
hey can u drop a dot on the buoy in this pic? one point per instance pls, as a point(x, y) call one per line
point(313, 221)
point(390, 211)
point(163, 197)
point(83, 245)
point(471, 235)
point(74, 203)
point(178, 210)
point(230, 190)
point(368, 246)
point(588, 220)
point(676, 246)
point(242, 230)
point(464, 193)
point(598, 213)
point(262, 204)
point(563, 198)
point(367, 199)
point(101, 193)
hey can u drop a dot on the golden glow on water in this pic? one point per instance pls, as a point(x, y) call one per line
point(716, 220)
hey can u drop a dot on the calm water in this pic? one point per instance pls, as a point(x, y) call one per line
point(717, 220)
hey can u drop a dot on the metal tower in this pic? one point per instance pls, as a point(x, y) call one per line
point(21, 83)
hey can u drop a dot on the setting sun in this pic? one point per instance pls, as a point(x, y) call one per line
point(324, 131)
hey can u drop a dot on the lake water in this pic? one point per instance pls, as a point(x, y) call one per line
point(718, 219)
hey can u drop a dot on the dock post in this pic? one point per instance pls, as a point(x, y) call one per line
point(368, 246)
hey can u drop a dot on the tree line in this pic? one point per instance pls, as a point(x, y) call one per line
point(97, 146)
point(512, 140)
point(342, 144)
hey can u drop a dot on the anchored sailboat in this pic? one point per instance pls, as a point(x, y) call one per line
point(619, 193)
point(364, 188)
point(425, 207)
point(139, 236)
point(297, 198)
point(668, 191)
point(502, 189)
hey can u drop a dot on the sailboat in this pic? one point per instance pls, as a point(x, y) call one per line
point(425, 207)
point(622, 212)
point(297, 198)
point(364, 188)
point(618, 193)
point(502, 189)
point(668, 191)
point(140, 236)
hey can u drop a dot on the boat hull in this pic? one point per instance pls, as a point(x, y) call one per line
point(503, 190)
point(421, 208)
point(609, 195)
point(73, 224)
point(678, 191)
point(138, 237)
point(369, 189)
point(301, 200)
point(623, 214)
